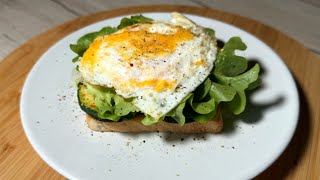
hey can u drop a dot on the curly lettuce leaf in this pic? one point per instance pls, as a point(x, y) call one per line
point(202, 90)
point(149, 120)
point(109, 105)
point(231, 70)
point(240, 83)
point(221, 93)
point(133, 20)
point(202, 107)
point(211, 32)
point(205, 111)
point(254, 84)
point(203, 118)
point(229, 64)
point(84, 42)
point(122, 106)
point(177, 112)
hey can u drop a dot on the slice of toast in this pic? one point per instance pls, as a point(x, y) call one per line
point(134, 126)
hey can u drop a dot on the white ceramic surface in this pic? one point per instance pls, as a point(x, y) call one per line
point(55, 125)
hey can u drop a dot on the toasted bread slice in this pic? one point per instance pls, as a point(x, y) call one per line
point(134, 126)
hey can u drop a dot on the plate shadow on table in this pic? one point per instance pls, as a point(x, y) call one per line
point(290, 158)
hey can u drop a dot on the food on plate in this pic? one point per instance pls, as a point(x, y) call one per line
point(147, 75)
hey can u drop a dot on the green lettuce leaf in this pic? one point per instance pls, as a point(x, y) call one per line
point(241, 83)
point(109, 105)
point(148, 120)
point(238, 104)
point(202, 90)
point(255, 84)
point(76, 59)
point(177, 112)
point(221, 92)
point(123, 107)
point(205, 111)
point(211, 32)
point(84, 42)
point(230, 71)
point(229, 64)
point(202, 107)
point(203, 118)
point(133, 20)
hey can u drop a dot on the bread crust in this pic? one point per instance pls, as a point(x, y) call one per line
point(135, 126)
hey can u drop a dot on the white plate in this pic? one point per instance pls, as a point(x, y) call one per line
point(56, 127)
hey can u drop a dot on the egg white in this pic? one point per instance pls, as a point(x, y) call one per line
point(166, 78)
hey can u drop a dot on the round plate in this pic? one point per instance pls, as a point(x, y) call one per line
point(56, 128)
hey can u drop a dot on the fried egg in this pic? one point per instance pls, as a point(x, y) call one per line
point(156, 63)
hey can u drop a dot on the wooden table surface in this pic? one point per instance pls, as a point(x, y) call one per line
point(301, 160)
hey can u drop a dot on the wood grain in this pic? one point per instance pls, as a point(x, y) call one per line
point(301, 160)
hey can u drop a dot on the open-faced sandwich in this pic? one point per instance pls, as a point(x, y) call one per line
point(147, 75)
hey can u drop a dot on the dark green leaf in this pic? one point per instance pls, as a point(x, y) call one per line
point(238, 104)
point(221, 92)
point(106, 31)
point(76, 59)
point(203, 118)
point(229, 64)
point(133, 20)
point(242, 81)
point(84, 42)
point(254, 84)
point(202, 90)
point(202, 107)
point(177, 112)
point(123, 106)
point(235, 43)
point(211, 32)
